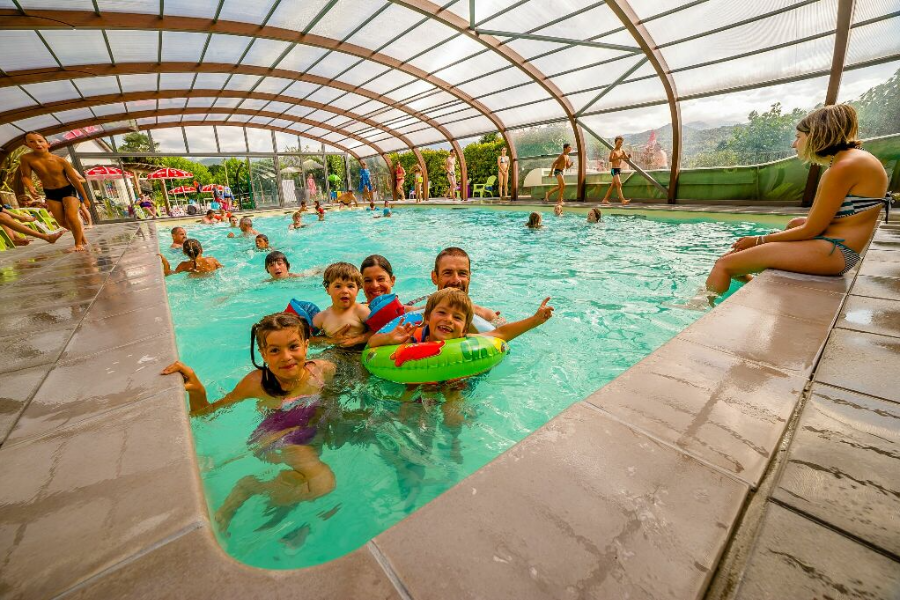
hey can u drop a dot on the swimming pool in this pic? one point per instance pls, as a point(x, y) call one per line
point(609, 284)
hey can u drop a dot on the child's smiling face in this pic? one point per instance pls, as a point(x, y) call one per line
point(343, 293)
point(446, 322)
point(285, 353)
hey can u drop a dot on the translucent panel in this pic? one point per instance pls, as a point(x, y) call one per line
point(246, 12)
point(422, 38)
point(109, 109)
point(57, 4)
point(146, 121)
point(97, 86)
point(272, 85)
point(873, 41)
point(389, 81)
point(35, 123)
point(183, 47)
point(710, 15)
point(454, 50)
point(592, 77)
point(583, 25)
point(300, 58)
point(420, 138)
point(210, 81)
point(315, 132)
point(386, 26)
point(260, 120)
point(344, 17)
point(130, 6)
point(319, 115)
point(300, 89)
point(349, 101)
point(483, 62)
point(531, 113)
point(264, 53)
point(439, 99)
point(286, 142)
point(277, 107)
point(51, 91)
point(296, 14)
point(501, 80)
point(253, 104)
point(138, 83)
point(201, 139)
point(77, 46)
point(231, 139)
point(392, 145)
point(134, 46)
point(176, 81)
point(414, 89)
point(171, 103)
point(334, 138)
point(140, 105)
point(520, 95)
point(470, 127)
point(23, 50)
point(299, 111)
point(869, 9)
point(227, 102)
point(532, 48)
point(354, 126)
point(283, 124)
point(259, 140)
point(574, 58)
point(170, 139)
point(200, 102)
point(215, 117)
point(873, 92)
point(623, 95)
point(169, 119)
point(785, 27)
point(458, 115)
point(325, 95)
point(452, 108)
point(76, 114)
point(226, 49)
point(242, 83)
point(388, 115)
point(785, 62)
point(237, 119)
point(369, 107)
point(532, 14)
point(334, 64)
point(710, 137)
point(192, 8)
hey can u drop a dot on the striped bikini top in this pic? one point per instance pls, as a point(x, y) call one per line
point(853, 205)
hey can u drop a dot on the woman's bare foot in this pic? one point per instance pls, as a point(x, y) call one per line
point(21, 241)
point(624, 202)
point(78, 248)
point(52, 237)
point(604, 201)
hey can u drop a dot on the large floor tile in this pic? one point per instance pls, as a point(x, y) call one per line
point(755, 334)
point(79, 501)
point(51, 294)
point(881, 256)
point(98, 335)
point(586, 507)
point(863, 362)
point(21, 319)
point(794, 559)
point(880, 268)
point(789, 300)
point(84, 387)
point(193, 567)
point(874, 315)
point(844, 465)
point(16, 389)
point(816, 282)
point(877, 287)
point(33, 349)
point(111, 301)
point(726, 411)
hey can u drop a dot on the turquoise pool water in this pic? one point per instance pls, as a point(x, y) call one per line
point(609, 284)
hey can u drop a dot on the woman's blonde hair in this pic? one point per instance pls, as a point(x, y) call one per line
point(828, 130)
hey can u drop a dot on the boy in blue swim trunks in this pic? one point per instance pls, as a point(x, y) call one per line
point(559, 165)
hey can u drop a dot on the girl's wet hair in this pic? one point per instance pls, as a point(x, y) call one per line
point(262, 237)
point(192, 249)
point(274, 257)
point(377, 260)
point(259, 334)
point(534, 220)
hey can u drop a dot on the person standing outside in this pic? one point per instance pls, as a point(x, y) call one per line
point(400, 177)
point(365, 182)
point(450, 167)
point(616, 156)
point(60, 181)
point(559, 165)
point(419, 181)
point(502, 172)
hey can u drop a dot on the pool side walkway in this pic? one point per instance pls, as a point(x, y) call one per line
point(753, 456)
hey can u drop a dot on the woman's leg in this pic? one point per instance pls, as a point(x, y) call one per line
point(10, 223)
point(814, 257)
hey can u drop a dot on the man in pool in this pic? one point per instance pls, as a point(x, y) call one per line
point(246, 228)
point(453, 269)
point(178, 237)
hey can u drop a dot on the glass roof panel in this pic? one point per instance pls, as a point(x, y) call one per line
point(531, 48)
point(286, 141)
point(171, 103)
point(386, 26)
point(191, 8)
point(260, 120)
point(134, 46)
point(146, 121)
point(296, 14)
point(200, 102)
point(50, 91)
point(388, 115)
point(496, 81)
point(602, 75)
point(300, 89)
point(259, 140)
point(438, 99)
point(210, 81)
point(130, 6)
point(97, 86)
point(264, 53)
point(319, 115)
point(519, 95)
point(140, 105)
point(531, 113)
point(334, 138)
point(868, 9)
point(77, 46)
point(170, 139)
point(414, 89)
point(584, 25)
point(226, 49)
point(35, 123)
point(23, 50)
point(8, 132)
point(300, 58)
point(245, 12)
point(315, 131)
point(212, 117)
point(873, 41)
point(76, 114)
point(253, 104)
point(424, 37)
point(242, 83)
point(531, 14)
point(299, 111)
point(277, 107)
point(272, 85)
point(344, 17)
point(454, 108)
point(575, 57)
point(363, 72)
point(421, 138)
point(484, 62)
point(333, 65)
point(183, 46)
point(625, 94)
point(227, 103)
point(138, 83)
point(176, 81)
point(231, 139)
point(109, 109)
point(470, 127)
point(284, 124)
point(457, 115)
point(349, 101)
point(57, 4)
point(201, 139)
point(454, 50)
point(386, 82)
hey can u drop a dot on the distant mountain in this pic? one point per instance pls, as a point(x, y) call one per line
point(697, 137)
point(210, 161)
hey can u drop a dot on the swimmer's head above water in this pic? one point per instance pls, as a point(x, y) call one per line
point(282, 340)
point(262, 242)
point(452, 268)
point(178, 235)
point(277, 265)
point(448, 314)
point(534, 221)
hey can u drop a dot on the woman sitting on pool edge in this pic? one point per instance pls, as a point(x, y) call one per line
point(848, 201)
point(197, 265)
point(287, 388)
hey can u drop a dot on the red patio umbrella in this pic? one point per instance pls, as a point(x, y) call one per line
point(105, 172)
point(211, 187)
point(183, 189)
point(169, 173)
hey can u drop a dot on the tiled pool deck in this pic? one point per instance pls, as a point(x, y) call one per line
point(753, 456)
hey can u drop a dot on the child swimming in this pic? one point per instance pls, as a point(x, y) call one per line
point(345, 317)
point(296, 221)
point(287, 388)
point(534, 221)
point(197, 265)
point(262, 242)
point(278, 266)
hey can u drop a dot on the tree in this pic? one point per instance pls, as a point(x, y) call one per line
point(767, 136)
point(489, 137)
point(879, 109)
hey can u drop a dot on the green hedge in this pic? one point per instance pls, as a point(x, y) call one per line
point(481, 163)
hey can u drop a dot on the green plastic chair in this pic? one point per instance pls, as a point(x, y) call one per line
point(139, 212)
point(482, 188)
point(6, 242)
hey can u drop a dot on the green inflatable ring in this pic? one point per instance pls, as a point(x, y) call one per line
point(435, 362)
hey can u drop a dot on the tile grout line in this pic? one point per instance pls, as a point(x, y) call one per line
point(385, 564)
point(819, 382)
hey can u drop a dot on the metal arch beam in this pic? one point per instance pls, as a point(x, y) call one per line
point(639, 32)
point(460, 25)
point(63, 19)
point(193, 111)
point(86, 71)
point(91, 101)
point(841, 41)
